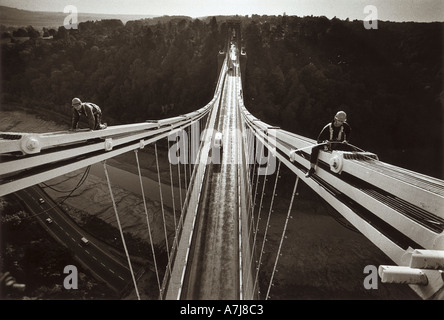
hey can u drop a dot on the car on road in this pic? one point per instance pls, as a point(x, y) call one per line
point(217, 144)
point(84, 241)
point(49, 220)
point(41, 201)
point(218, 140)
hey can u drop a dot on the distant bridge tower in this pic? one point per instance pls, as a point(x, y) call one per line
point(234, 30)
point(235, 37)
point(242, 60)
point(220, 59)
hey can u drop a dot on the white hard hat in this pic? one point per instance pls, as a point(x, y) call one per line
point(76, 101)
point(341, 116)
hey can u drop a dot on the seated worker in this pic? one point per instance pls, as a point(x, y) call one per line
point(335, 134)
point(90, 110)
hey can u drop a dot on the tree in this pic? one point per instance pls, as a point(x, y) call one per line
point(32, 33)
point(20, 32)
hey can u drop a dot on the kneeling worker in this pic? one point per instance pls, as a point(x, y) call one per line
point(90, 110)
point(335, 134)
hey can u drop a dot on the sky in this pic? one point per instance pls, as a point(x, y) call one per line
point(387, 10)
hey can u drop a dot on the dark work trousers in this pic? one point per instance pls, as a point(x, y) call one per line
point(98, 121)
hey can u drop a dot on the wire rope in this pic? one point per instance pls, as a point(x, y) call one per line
point(258, 214)
point(120, 229)
point(163, 211)
point(148, 224)
point(282, 238)
point(172, 198)
point(266, 228)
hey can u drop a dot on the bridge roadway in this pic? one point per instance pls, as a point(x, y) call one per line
point(214, 271)
point(219, 249)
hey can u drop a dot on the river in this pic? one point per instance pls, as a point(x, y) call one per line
point(131, 182)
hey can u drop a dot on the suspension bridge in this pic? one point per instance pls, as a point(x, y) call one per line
point(224, 156)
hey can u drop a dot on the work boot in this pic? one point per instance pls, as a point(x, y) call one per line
point(103, 126)
point(310, 172)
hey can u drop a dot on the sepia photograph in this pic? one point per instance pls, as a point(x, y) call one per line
point(234, 156)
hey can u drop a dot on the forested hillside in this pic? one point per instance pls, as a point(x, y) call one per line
point(134, 71)
point(300, 71)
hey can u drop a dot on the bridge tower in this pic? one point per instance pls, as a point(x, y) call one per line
point(234, 31)
point(235, 37)
point(220, 59)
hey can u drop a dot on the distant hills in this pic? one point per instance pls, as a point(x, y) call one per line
point(11, 17)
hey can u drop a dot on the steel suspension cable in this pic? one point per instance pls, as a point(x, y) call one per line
point(120, 229)
point(250, 145)
point(255, 191)
point(172, 196)
point(240, 178)
point(189, 151)
point(180, 194)
point(148, 224)
point(163, 211)
point(252, 222)
point(185, 174)
point(249, 179)
point(247, 138)
point(254, 172)
point(82, 180)
point(251, 187)
point(266, 227)
point(255, 231)
point(250, 215)
point(282, 238)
